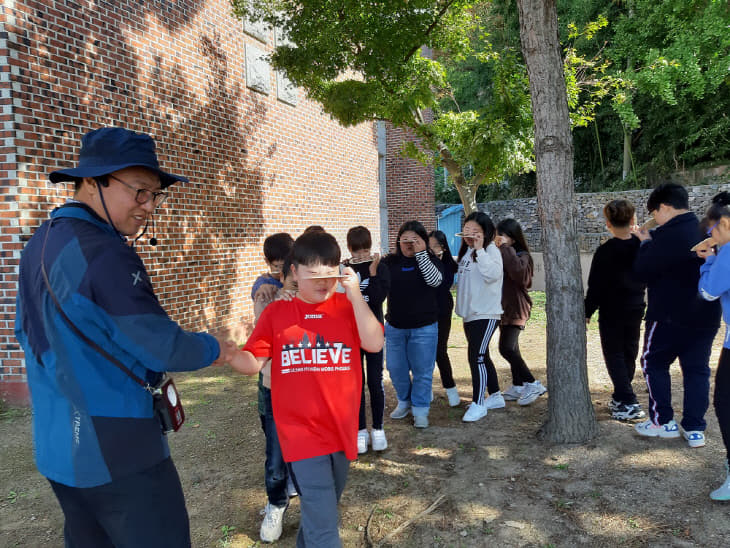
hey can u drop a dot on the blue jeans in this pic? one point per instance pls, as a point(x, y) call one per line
point(410, 355)
point(276, 472)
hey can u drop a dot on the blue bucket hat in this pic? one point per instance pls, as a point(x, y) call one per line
point(110, 149)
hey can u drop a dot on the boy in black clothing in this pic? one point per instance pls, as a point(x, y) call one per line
point(679, 324)
point(374, 286)
point(619, 298)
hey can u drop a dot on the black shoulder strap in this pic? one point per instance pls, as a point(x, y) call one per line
point(78, 331)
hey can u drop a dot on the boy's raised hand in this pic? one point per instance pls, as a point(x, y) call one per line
point(374, 265)
point(351, 283)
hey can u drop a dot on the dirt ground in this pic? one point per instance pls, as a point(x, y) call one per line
point(492, 482)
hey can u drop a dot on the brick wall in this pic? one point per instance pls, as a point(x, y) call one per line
point(178, 70)
point(410, 186)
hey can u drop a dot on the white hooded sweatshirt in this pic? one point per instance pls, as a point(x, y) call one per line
point(479, 285)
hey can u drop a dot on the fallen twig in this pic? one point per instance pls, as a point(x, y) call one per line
point(404, 525)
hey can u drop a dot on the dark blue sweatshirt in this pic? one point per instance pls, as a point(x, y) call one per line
point(671, 272)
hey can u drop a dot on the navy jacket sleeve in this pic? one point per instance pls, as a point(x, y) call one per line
point(596, 282)
point(118, 287)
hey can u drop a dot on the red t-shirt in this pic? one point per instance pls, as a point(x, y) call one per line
point(315, 374)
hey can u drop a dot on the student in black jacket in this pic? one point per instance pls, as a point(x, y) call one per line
point(619, 298)
point(411, 331)
point(679, 323)
point(374, 285)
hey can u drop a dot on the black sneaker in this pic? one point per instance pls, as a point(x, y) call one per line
point(627, 412)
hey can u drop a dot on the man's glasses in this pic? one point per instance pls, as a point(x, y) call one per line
point(144, 195)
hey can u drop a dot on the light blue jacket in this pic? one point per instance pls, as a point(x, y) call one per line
point(715, 283)
point(91, 422)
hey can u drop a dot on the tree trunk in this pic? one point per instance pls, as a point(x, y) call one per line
point(571, 418)
point(627, 154)
point(468, 195)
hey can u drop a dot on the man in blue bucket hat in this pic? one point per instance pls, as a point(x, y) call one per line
point(96, 343)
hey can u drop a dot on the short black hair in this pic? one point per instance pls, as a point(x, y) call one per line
point(277, 246)
point(315, 247)
point(668, 193)
point(358, 237)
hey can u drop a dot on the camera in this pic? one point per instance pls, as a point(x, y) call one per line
point(167, 406)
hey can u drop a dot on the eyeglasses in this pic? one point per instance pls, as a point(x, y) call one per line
point(144, 195)
point(709, 232)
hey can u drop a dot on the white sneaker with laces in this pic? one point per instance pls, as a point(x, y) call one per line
point(453, 395)
point(513, 393)
point(475, 412)
point(273, 522)
point(649, 429)
point(380, 443)
point(494, 401)
point(530, 392)
point(363, 438)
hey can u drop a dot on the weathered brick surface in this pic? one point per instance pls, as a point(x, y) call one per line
point(175, 70)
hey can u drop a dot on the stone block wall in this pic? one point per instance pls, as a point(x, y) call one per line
point(591, 224)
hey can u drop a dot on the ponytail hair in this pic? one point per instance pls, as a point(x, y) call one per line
point(619, 213)
point(719, 207)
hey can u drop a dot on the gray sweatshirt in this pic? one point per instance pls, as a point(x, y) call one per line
point(479, 285)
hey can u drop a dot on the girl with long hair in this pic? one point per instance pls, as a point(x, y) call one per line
point(479, 303)
point(440, 247)
point(517, 305)
point(411, 330)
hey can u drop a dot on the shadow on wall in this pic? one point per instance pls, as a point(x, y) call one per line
point(205, 137)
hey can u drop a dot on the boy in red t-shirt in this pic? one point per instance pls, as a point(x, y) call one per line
point(314, 343)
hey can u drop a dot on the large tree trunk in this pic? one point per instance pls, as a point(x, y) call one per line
point(468, 195)
point(571, 418)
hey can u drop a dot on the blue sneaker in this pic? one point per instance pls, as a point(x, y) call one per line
point(649, 429)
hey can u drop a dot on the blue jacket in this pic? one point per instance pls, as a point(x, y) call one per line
point(671, 272)
point(91, 422)
point(715, 283)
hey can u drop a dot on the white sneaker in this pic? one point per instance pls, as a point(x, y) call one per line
point(723, 492)
point(273, 522)
point(420, 421)
point(494, 401)
point(530, 392)
point(513, 393)
point(475, 412)
point(453, 395)
point(379, 441)
point(649, 429)
point(363, 438)
point(695, 438)
point(401, 411)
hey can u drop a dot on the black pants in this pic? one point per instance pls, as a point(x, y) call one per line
point(509, 348)
point(722, 398)
point(620, 345)
point(144, 510)
point(442, 354)
point(374, 381)
point(483, 374)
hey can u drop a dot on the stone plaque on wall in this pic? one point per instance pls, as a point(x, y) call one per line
point(286, 92)
point(257, 70)
point(259, 30)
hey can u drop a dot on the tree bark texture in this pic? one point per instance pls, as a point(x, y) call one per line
point(571, 418)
